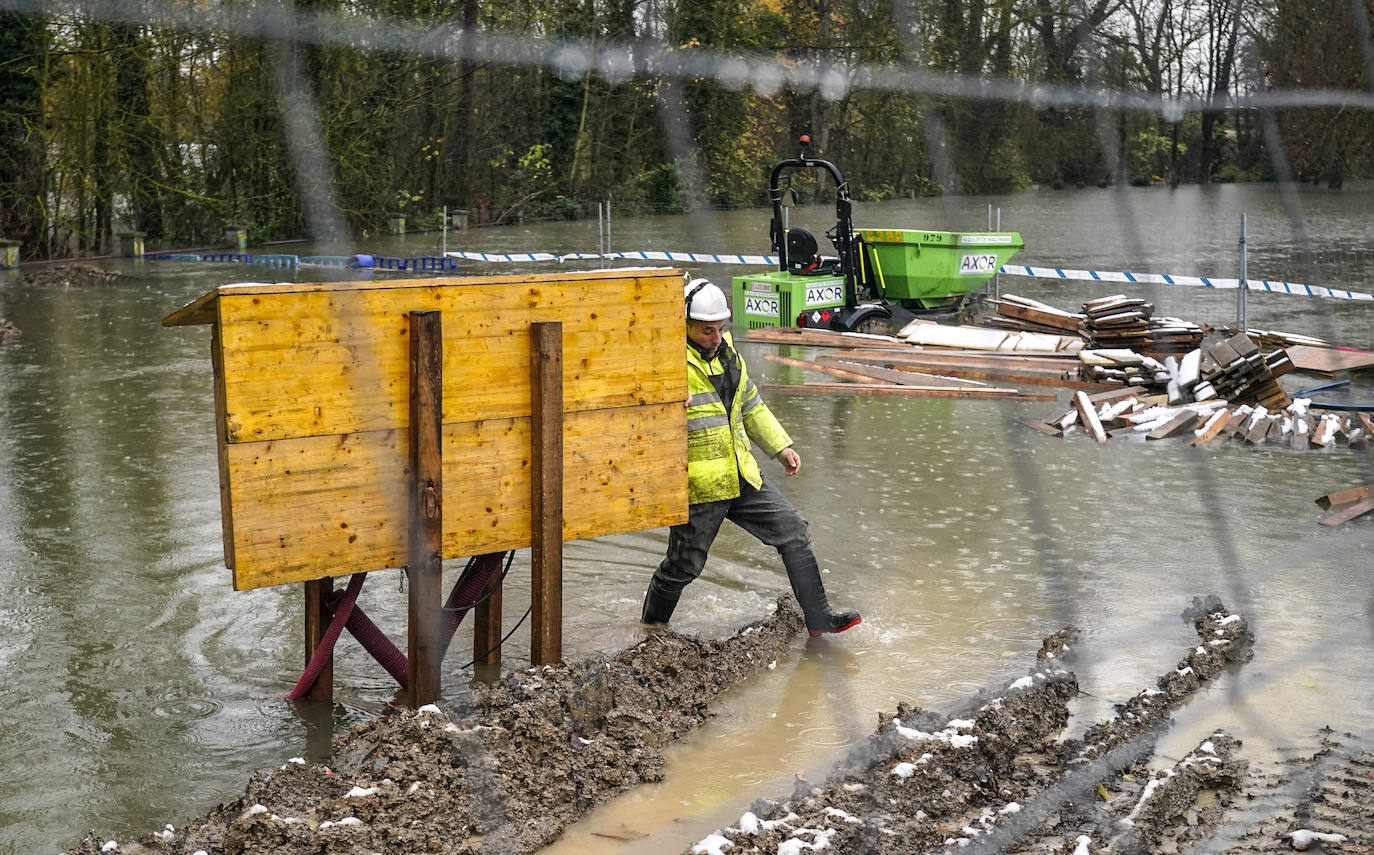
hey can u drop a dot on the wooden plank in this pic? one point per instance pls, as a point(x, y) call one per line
point(1214, 428)
point(534, 280)
point(903, 377)
point(907, 391)
point(1259, 431)
point(1053, 320)
point(335, 362)
point(326, 506)
point(1324, 430)
point(1329, 360)
point(317, 619)
point(823, 369)
point(1057, 360)
point(1174, 426)
point(1346, 513)
point(424, 559)
point(1119, 393)
point(989, 374)
point(226, 504)
point(546, 493)
point(201, 310)
point(1127, 432)
point(1246, 418)
point(1087, 414)
point(1048, 430)
point(1345, 497)
point(823, 338)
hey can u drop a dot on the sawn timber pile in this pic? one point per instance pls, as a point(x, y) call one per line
point(1233, 370)
point(1125, 414)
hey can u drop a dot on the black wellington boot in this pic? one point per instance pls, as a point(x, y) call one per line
point(804, 573)
point(658, 606)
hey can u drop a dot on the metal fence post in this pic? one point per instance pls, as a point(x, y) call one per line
point(1241, 322)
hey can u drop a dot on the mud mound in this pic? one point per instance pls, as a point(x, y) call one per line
point(507, 774)
point(76, 275)
point(994, 779)
point(531, 754)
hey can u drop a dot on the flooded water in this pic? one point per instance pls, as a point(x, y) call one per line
point(139, 689)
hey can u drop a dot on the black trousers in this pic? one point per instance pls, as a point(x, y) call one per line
point(765, 513)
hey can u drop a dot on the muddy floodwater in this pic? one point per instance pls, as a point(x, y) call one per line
point(139, 689)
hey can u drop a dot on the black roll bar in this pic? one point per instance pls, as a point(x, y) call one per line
point(845, 243)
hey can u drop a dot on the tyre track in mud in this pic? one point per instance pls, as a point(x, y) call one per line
point(993, 778)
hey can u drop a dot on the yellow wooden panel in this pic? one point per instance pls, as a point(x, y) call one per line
point(319, 362)
point(312, 397)
point(333, 505)
point(324, 390)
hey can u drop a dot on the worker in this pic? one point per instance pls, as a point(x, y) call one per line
point(724, 412)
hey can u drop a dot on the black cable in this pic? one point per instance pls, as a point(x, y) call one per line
point(499, 643)
point(510, 559)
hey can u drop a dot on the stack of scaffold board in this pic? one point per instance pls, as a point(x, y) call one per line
point(1114, 322)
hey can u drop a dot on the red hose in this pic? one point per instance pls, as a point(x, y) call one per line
point(326, 648)
point(374, 641)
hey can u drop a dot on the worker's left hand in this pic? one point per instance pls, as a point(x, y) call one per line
point(790, 460)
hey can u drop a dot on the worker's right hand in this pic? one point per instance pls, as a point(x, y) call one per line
point(790, 460)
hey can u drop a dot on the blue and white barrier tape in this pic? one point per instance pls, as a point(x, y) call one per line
point(1008, 269)
point(504, 256)
point(1169, 279)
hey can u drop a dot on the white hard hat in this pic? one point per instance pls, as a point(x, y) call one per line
point(705, 301)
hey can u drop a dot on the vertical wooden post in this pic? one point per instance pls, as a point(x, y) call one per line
point(424, 556)
point(317, 617)
point(486, 635)
point(546, 486)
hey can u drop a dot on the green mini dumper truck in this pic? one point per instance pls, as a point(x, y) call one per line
point(879, 280)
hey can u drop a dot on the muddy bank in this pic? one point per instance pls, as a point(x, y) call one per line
point(997, 778)
point(530, 755)
point(506, 774)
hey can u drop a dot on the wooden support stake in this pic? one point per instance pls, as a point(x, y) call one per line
point(317, 619)
point(486, 632)
point(546, 486)
point(424, 557)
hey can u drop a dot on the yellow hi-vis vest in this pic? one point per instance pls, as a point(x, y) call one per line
point(718, 443)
